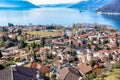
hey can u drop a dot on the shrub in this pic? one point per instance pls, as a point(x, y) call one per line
point(8, 63)
point(103, 75)
point(1, 67)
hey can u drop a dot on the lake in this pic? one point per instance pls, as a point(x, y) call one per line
point(62, 16)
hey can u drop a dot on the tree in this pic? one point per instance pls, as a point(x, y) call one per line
point(15, 39)
point(92, 64)
point(1, 54)
point(50, 56)
point(35, 57)
point(53, 76)
point(89, 46)
point(76, 58)
point(1, 67)
point(117, 43)
point(19, 31)
point(37, 48)
point(33, 45)
point(10, 24)
point(73, 53)
point(22, 44)
point(4, 38)
point(4, 29)
point(90, 76)
point(96, 48)
point(42, 42)
point(9, 63)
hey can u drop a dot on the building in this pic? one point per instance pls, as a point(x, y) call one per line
point(21, 73)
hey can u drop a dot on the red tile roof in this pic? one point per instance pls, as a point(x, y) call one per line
point(84, 68)
point(43, 69)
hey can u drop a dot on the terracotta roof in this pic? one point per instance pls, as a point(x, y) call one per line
point(43, 49)
point(63, 72)
point(103, 51)
point(68, 49)
point(84, 68)
point(104, 56)
point(71, 76)
point(69, 73)
point(86, 35)
point(43, 69)
point(58, 50)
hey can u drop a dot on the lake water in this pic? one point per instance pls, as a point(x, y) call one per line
point(62, 16)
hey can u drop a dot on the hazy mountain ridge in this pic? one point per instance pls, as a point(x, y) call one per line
point(16, 4)
point(90, 4)
point(56, 5)
point(113, 7)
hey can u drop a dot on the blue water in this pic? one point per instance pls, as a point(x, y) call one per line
point(62, 16)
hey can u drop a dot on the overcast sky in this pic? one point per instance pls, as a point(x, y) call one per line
point(52, 1)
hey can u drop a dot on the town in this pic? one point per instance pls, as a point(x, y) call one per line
point(54, 52)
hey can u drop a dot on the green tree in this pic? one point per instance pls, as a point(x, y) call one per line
point(4, 38)
point(19, 31)
point(76, 58)
point(96, 48)
point(42, 42)
point(33, 45)
point(1, 67)
point(89, 46)
point(53, 77)
point(15, 39)
point(22, 44)
point(73, 53)
point(90, 76)
point(92, 64)
point(117, 43)
point(37, 48)
point(9, 63)
point(50, 56)
point(1, 54)
point(10, 24)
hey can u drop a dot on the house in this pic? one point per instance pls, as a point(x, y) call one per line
point(85, 68)
point(12, 35)
point(2, 34)
point(68, 32)
point(69, 73)
point(21, 73)
point(44, 70)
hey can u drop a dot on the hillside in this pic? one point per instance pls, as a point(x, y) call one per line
point(7, 4)
point(90, 4)
point(113, 7)
point(56, 5)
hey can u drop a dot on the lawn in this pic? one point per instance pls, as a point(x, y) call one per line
point(46, 33)
point(112, 75)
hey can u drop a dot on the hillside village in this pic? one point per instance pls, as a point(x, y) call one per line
point(55, 52)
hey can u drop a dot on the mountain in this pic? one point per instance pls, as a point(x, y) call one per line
point(56, 5)
point(90, 4)
point(18, 4)
point(113, 7)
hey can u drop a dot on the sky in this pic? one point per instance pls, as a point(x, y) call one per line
point(52, 1)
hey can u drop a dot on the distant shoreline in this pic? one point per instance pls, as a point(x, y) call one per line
point(109, 13)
